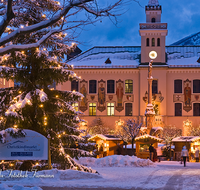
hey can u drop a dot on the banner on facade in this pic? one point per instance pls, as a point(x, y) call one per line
point(33, 146)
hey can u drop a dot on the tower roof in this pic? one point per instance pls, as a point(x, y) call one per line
point(153, 3)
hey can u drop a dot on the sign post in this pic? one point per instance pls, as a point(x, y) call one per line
point(49, 152)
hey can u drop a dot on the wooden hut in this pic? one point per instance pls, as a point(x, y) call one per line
point(107, 144)
point(143, 143)
point(191, 142)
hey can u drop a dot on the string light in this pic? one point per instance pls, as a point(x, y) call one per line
point(15, 126)
point(20, 92)
point(44, 49)
point(41, 105)
point(22, 52)
point(36, 163)
point(43, 15)
point(61, 110)
point(45, 118)
point(56, 96)
point(21, 26)
point(63, 133)
point(59, 136)
point(45, 123)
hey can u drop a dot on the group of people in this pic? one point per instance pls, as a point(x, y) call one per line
point(184, 154)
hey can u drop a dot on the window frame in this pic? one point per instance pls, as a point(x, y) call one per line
point(128, 92)
point(92, 87)
point(175, 111)
point(194, 109)
point(126, 108)
point(75, 106)
point(198, 88)
point(158, 42)
point(108, 92)
point(91, 105)
point(154, 86)
point(77, 85)
point(153, 42)
point(153, 20)
point(147, 42)
point(175, 89)
point(110, 109)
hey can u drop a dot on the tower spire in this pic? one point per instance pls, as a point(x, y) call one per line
point(153, 3)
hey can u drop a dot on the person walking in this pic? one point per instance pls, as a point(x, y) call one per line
point(197, 154)
point(151, 150)
point(184, 154)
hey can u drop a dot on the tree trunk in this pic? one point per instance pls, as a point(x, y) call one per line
point(170, 152)
point(132, 146)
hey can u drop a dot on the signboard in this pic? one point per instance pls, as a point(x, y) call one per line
point(33, 146)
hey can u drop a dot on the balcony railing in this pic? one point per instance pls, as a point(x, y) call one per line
point(153, 26)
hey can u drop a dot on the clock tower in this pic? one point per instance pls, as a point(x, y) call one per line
point(153, 34)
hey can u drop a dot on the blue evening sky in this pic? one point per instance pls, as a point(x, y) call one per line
point(182, 16)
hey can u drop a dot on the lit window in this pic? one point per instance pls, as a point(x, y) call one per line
point(196, 109)
point(75, 106)
point(178, 86)
point(196, 86)
point(74, 85)
point(92, 109)
point(110, 109)
point(128, 109)
point(153, 41)
point(178, 109)
point(128, 86)
point(92, 86)
point(110, 86)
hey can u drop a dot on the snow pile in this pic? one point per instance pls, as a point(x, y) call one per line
point(115, 161)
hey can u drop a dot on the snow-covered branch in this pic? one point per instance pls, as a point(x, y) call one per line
point(10, 48)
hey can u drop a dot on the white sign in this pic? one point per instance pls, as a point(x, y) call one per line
point(33, 146)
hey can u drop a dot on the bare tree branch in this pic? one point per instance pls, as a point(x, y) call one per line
point(8, 16)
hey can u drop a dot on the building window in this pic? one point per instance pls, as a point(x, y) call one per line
point(154, 87)
point(74, 85)
point(110, 86)
point(178, 109)
point(128, 86)
point(158, 41)
point(178, 86)
point(92, 109)
point(153, 41)
point(75, 106)
point(153, 20)
point(110, 109)
point(196, 86)
point(196, 109)
point(147, 42)
point(128, 109)
point(92, 86)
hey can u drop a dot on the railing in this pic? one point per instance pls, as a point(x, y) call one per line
point(153, 26)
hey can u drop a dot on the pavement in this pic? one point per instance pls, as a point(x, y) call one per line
point(167, 176)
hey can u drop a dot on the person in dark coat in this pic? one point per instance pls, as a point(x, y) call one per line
point(154, 155)
point(151, 150)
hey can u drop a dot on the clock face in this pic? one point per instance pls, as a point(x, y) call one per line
point(152, 54)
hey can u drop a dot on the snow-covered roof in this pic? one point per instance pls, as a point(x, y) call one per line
point(192, 40)
point(129, 57)
point(104, 137)
point(157, 128)
point(186, 138)
point(148, 136)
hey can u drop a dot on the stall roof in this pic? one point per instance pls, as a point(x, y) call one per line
point(105, 137)
point(150, 137)
point(186, 138)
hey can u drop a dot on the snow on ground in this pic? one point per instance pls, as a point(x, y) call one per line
point(166, 175)
point(114, 161)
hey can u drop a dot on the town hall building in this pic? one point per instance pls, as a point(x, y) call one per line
point(114, 78)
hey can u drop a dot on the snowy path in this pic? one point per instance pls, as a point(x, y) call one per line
point(162, 176)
